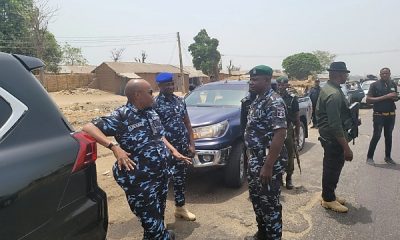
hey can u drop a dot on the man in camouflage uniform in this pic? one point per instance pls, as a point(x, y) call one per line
point(178, 131)
point(141, 166)
point(264, 137)
point(293, 126)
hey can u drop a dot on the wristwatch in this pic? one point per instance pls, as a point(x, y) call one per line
point(112, 145)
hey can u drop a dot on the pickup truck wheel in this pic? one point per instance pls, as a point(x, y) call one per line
point(302, 138)
point(235, 171)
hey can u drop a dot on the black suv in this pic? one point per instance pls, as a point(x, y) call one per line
point(48, 178)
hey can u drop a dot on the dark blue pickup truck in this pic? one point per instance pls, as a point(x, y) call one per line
point(214, 111)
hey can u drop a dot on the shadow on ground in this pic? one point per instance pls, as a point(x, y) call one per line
point(204, 187)
point(354, 216)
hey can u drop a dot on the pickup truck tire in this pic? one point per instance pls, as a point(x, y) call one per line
point(235, 170)
point(302, 137)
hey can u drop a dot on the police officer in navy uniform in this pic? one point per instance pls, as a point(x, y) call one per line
point(382, 94)
point(141, 167)
point(293, 126)
point(178, 131)
point(264, 137)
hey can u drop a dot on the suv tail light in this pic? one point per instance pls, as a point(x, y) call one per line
point(87, 151)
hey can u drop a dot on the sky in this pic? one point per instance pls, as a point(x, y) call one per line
point(363, 33)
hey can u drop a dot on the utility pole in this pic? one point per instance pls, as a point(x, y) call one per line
point(181, 64)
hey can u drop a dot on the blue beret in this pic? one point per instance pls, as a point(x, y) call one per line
point(164, 77)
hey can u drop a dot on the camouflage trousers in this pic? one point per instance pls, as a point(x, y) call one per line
point(265, 199)
point(147, 198)
point(178, 179)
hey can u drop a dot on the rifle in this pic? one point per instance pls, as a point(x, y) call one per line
point(351, 126)
point(296, 151)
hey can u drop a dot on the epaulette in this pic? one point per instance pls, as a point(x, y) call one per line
point(245, 99)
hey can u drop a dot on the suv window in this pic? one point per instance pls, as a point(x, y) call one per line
point(5, 110)
point(216, 97)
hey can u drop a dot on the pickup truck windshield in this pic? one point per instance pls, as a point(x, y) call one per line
point(216, 97)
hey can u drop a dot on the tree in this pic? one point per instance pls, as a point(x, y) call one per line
point(206, 56)
point(72, 56)
point(23, 30)
point(301, 65)
point(14, 28)
point(116, 54)
point(52, 54)
point(232, 67)
point(325, 59)
point(143, 57)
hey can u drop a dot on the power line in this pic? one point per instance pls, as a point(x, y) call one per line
point(341, 54)
point(172, 53)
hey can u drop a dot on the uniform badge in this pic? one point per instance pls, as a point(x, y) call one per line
point(280, 113)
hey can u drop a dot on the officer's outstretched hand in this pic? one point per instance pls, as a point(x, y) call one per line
point(179, 156)
point(123, 159)
point(266, 174)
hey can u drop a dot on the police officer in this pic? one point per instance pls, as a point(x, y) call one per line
point(293, 126)
point(332, 112)
point(141, 153)
point(178, 131)
point(382, 94)
point(264, 137)
point(314, 94)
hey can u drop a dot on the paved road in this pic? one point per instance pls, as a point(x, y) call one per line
point(373, 195)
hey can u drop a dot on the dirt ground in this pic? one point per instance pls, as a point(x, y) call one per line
point(222, 213)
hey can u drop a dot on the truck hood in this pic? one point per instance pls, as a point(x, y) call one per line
point(201, 116)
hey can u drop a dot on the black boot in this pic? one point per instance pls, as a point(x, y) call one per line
point(171, 234)
point(289, 184)
point(260, 234)
point(257, 236)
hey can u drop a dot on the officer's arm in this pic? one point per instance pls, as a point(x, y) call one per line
point(175, 152)
point(97, 134)
point(333, 107)
point(122, 156)
point(188, 125)
point(276, 146)
point(371, 95)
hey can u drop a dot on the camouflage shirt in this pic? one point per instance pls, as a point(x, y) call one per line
point(267, 113)
point(172, 112)
point(139, 132)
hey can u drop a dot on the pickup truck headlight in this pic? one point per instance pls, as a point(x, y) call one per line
point(211, 131)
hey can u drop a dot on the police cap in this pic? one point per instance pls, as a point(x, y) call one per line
point(164, 77)
point(282, 79)
point(261, 70)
